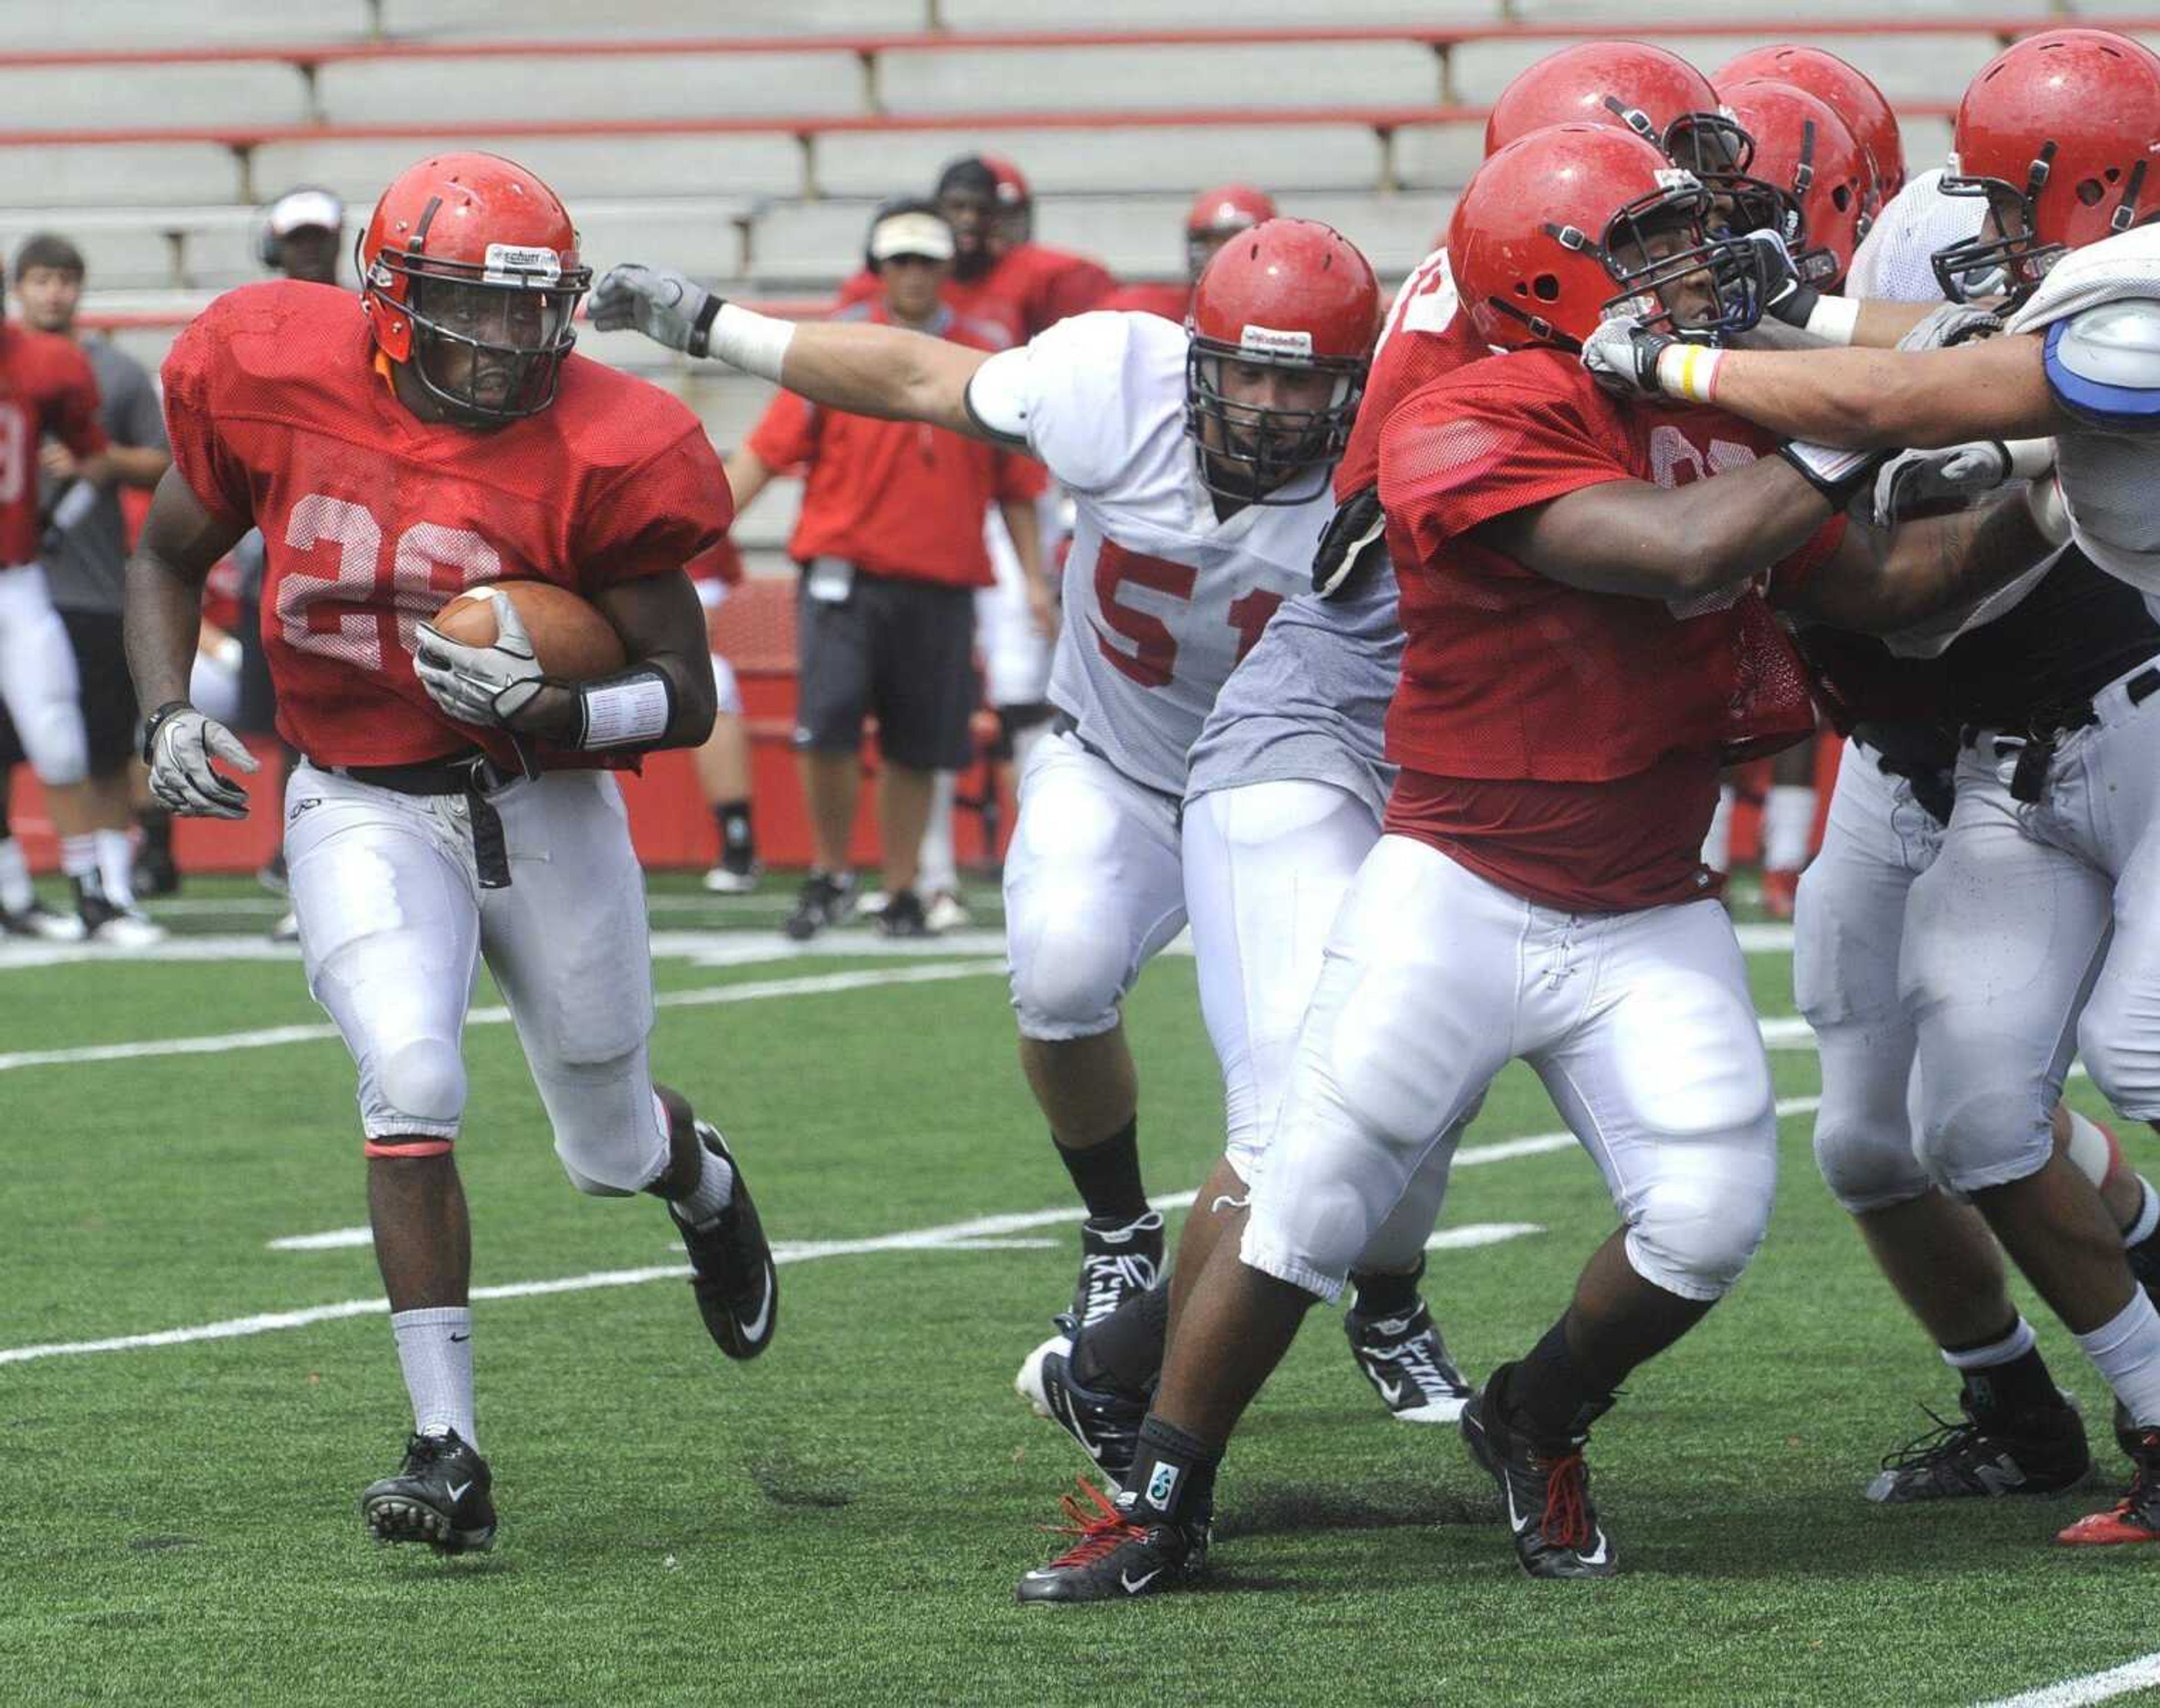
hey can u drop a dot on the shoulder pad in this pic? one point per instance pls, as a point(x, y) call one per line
point(2103, 365)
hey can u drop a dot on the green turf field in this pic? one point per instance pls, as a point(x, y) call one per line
point(843, 1521)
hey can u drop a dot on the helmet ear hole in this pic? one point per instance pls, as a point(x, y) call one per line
point(1546, 287)
point(2090, 191)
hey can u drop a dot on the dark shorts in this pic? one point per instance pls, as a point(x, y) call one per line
point(106, 692)
point(901, 650)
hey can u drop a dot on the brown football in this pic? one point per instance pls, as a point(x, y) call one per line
point(571, 639)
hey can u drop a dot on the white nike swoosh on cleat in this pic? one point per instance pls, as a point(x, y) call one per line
point(1390, 1391)
point(1597, 1557)
point(755, 1327)
point(1134, 1585)
point(457, 1490)
point(1516, 1521)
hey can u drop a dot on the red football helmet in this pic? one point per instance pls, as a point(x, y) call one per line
point(1846, 91)
point(1574, 221)
point(1628, 84)
point(470, 273)
point(1288, 294)
point(1218, 215)
point(2057, 132)
point(1789, 166)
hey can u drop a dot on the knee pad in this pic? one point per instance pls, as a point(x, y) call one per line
point(1068, 977)
point(1693, 1229)
point(611, 1134)
point(1867, 1165)
point(1985, 1136)
point(54, 743)
point(419, 1086)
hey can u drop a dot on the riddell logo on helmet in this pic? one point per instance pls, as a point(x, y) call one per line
point(520, 263)
point(1274, 343)
point(1675, 178)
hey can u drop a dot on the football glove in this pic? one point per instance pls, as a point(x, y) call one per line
point(1354, 542)
point(179, 745)
point(1622, 356)
point(663, 304)
point(489, 685)
point(1952, 324)
point(1783, 296)
point(1914, 482)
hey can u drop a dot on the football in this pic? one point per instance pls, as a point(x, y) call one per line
point(572, 641)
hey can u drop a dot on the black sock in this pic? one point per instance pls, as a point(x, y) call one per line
point(2011, 1389)
point(1380, 1294)
point(1547, 1398)
point(156, 824)
point(1124, 1352)
point(1107, 1175)
point(1173, 1474)
point(737, 844)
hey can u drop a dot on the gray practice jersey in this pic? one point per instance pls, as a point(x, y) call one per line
point(85, 552)
point(1309, 702)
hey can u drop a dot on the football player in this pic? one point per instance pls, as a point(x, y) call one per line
point(1846, 91)
point(1215, 217)
point(1199, 466)
point(2055, 135)
point(455, 803)
point(1586, 642)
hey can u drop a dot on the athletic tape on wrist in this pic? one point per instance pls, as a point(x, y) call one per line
point(626, 712)
point(2043, 501)
point(1834, 320)
point(2030, 458)
point(1688, 371)
point(757, 344)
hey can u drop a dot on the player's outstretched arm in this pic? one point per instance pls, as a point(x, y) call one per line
point(181, 542)
point(1678, 544)
point(1879, 582)
point(882, 370)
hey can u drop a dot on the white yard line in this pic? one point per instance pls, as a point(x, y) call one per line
point(2092, 1687)
point(751, 990)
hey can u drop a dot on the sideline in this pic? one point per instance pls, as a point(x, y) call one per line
point(2089, 1687)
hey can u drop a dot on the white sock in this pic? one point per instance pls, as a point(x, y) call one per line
point(715, 1191)
point(2148, 1218)
point(16, 893)
point(2015, 1344)
point(1788, 827)
point(936, 870)
point(79, 855)
point(116, 864)
point(434, 1349)
point(2127, 1351)
point(1717, 846)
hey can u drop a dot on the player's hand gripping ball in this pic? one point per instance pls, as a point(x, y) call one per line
point(489, 654)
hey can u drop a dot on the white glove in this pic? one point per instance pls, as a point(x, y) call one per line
point(1622, 356)
point(1913, 481)
point(182, 744)
point(489, 685)
point(664, 305)
point(1953, 323)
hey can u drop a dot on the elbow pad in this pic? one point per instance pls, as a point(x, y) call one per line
point(2103, 366)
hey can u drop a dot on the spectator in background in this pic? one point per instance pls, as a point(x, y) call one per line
point(1000, 272)
point(304, 235)
point(890, 543)
point(47, 391)
point(1215, 217)
point(723, 772)
point(85, 554)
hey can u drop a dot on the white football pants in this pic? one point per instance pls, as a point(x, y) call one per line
point(38, 681)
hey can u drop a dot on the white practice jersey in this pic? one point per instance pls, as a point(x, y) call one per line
point(1162, 598)
point(1895, 261)
point(2108, 477)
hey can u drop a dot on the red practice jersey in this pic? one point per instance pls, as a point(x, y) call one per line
point(1027, 289)
point(1425, 336)
point(373, 519)
point(1566, 744)
point(46, 391)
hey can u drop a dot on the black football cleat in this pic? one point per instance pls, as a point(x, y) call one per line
point(1985, 1455)
point(1117, 1259)
point(1105, 1423)
point(46, 924)
point(440, 1497)
point(737, 1286)
point(1406, 1361)
point(822, 900)
point(902, 916)
point(1547, 1495)
point(2136, 1518)
point(1114, 1558)
point(155, 874)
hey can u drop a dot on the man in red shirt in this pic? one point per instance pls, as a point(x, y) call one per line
point(453, 803)
point(1583, 594)
point(47, 393)
point(890, 543)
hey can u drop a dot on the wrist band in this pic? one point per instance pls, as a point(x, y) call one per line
point(1833, 319)
point(754, 343)
point(631, 710)
point(2030, 458)
point(156, 721)
point(1838, 474)
point(701, 329)
point(2043, 502)
point(1688, 371)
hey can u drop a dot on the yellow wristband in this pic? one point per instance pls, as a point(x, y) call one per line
point(1689, 371)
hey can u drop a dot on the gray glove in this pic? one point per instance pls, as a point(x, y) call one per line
point(179, 747)
point(489, 685)
point(663, 304)
point(1954, 323)
point(1915, 482)
point(1622, 356)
